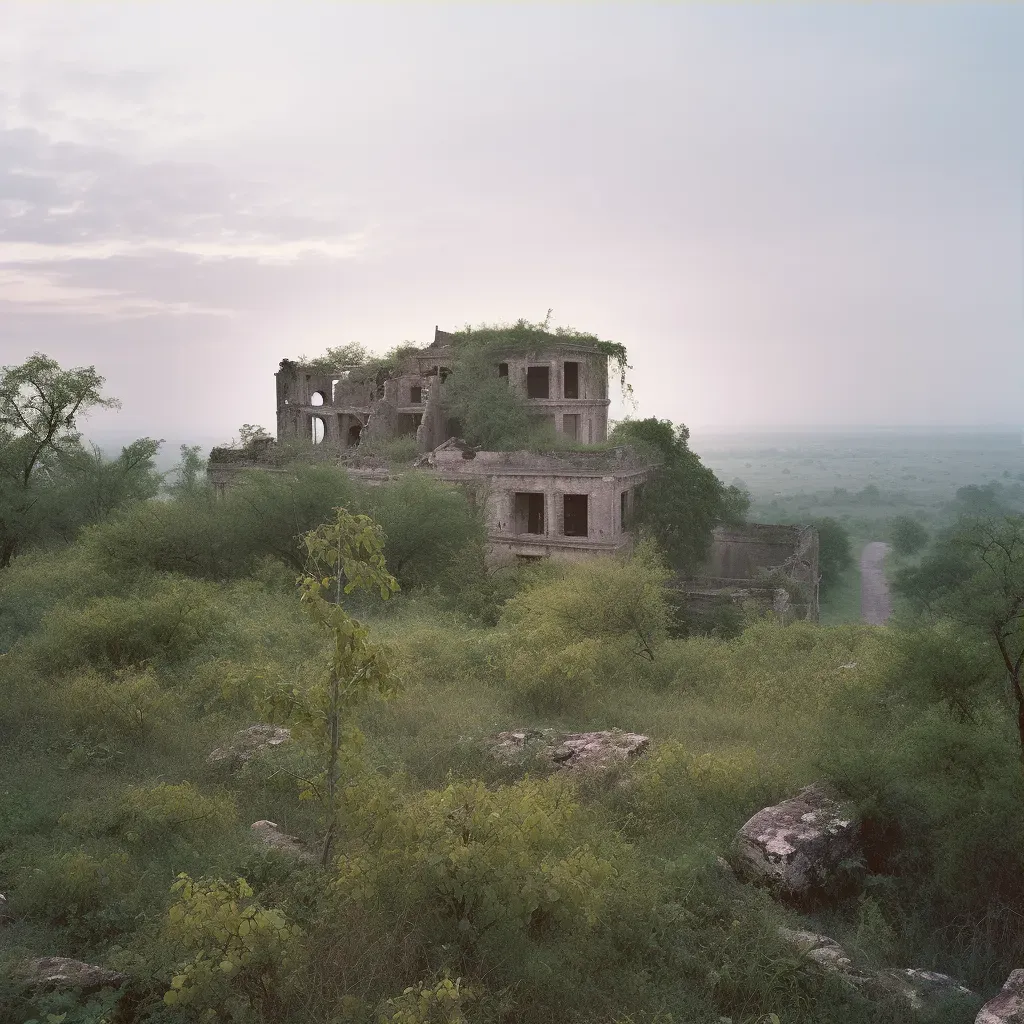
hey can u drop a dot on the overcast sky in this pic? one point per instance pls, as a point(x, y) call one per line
point(790, 215)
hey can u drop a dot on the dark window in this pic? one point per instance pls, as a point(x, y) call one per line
point(529, 513)
point(415, 395)
point(537, 382)
point(623, 506)
point(502, 369)
point(571, 380)
point(353, 434)
point(417, 418)
point(575, 515)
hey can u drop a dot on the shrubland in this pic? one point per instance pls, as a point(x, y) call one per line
point(453, 887)
point(441, 884)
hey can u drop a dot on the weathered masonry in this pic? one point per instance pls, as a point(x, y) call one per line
point(773, 566)
point(564, 384)
point(563, 505)
point(566, 506)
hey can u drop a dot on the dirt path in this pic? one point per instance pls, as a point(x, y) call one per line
point(875, 603)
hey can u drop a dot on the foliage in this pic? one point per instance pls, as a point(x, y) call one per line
point(562, 635)
point(682, 503)
point(834, 555)
point(130, 704)
point(344, 555)
point(237, 955)
point(335, 357)
point(441, 1003)
point(907, 535)
point(190, 473)
point(39, 407)
point(975, 576)
point(154, 813)
point(126, 632)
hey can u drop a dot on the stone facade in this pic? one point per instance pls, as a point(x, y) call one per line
point(566, 505)
point(773, 566)
point(563, 383)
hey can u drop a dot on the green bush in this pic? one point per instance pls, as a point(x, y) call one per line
point(174, 619)
point(99, 708)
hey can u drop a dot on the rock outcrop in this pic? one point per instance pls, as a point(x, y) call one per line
point(1007, 1007)
point(578, 751)
point(800, 847)
point(60, 972)
point(249, 742)
point(268, 833)
point(921, 990)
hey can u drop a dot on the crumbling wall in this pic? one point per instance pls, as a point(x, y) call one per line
point(761, 558)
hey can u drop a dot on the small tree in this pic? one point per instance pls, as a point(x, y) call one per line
point(834, 554)
point(684, 500)
point(344, 555)
point(907, 535)
point(975, 576)
point(39, 407)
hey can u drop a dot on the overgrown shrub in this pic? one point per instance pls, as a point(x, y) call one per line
point(167, 625)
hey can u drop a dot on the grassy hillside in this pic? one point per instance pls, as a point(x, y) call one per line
point(132, 654)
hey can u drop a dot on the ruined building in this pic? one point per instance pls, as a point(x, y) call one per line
point(561, 504)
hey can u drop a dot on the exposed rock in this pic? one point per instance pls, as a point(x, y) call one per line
point(919, 989)
point(575, 750)
point(249, 742)
point(825, 952)
point(273, 838)
point(923, 989)
point(799, 846)
point(58, 972)
point(1007, 1007)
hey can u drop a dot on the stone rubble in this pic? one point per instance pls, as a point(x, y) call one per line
point(579, 751)
point(60, 972)
point(249, 742)
point(269, 834)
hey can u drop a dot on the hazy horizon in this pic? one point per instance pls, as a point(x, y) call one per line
point(796, 218)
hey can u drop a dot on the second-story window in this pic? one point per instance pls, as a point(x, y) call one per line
point(571, 380)
point(415, 394)
point(537, 382)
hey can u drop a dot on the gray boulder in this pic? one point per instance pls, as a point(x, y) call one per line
point(60, 973)
point(270, 836)
point(578, 751)
point(921, 990)
point(1007, 1007)
point(799, 847)
point(249, 742)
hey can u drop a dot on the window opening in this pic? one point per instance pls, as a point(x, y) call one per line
point(537, 382)
point(574, 515)
point(353, 434)
point(571, 380)
point(502, 369)
point(415, 395)
point(318, 430)
point(317, 398)
point(529, 513)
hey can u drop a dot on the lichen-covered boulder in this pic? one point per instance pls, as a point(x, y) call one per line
point(578, 751)
point(60, 973)
point(1007, 1007)
point(801, 847)
point(246, 743)
point(268, 833)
